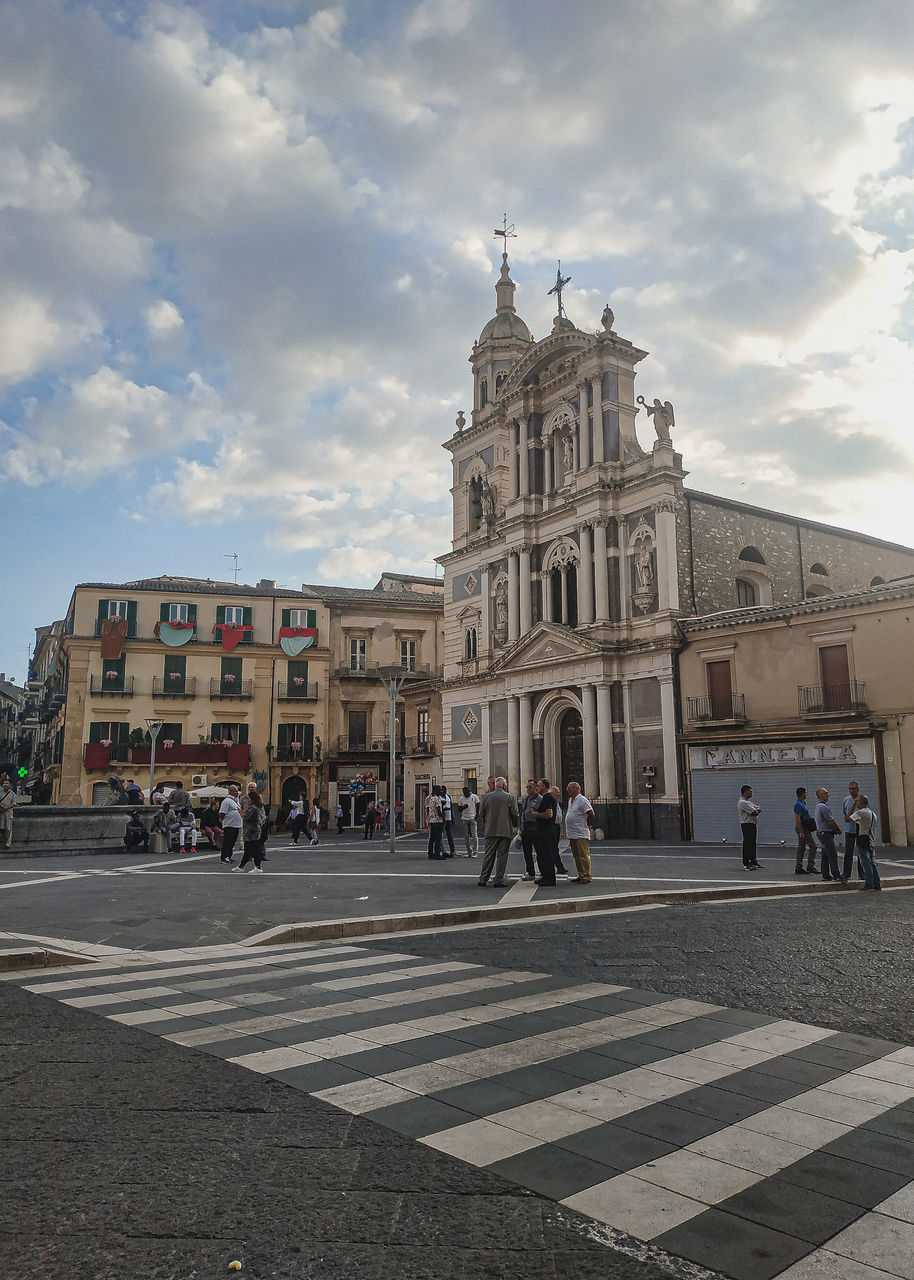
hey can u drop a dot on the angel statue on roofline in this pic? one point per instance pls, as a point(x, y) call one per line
point(662, 415)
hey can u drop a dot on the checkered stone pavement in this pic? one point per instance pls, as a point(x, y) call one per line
point(754, 1146)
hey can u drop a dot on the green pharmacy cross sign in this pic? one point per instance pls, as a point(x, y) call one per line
point(22, 772)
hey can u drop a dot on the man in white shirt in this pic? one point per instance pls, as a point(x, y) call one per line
point(579, 821)
point(866, 821)
point(468, 805)
point(747, 814)
point(230, 813)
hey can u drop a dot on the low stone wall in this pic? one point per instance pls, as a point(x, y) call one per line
point(40, 828)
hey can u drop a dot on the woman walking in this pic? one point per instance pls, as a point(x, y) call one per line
point(255, 820)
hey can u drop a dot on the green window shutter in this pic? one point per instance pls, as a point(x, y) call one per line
point(120, 731)
point(215, 732)
point(95, 730)
point(282, 736)
point(286, 618)
point(192, 613)
point(299, 670)
point(103, 610)
point(242, 735)
point(308, 741)
point(220, 614)
point(131, 617)
point(175, 662)
point(311, 617)
point(164, 612)
point(172, 733)
point(247, 618)
point(232, 667)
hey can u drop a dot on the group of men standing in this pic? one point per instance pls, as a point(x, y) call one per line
point(538, 820)
point(822, 826)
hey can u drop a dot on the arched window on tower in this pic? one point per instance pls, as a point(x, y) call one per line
point(483, 393)
point(500, 380)
point(565, 595)
point(752, 555)
point(470, 643)
point(746, 593)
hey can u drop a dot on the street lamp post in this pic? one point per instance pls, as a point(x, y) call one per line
point(154, 727)
point(393, 678)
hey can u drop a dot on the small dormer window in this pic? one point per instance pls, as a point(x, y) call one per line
point(820, 569)
point(751, 555)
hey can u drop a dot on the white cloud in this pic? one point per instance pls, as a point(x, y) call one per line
point(163, 317)
point(261, 248)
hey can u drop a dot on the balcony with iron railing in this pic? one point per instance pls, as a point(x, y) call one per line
point(288, 754)
point(848, 698)
point(365, 746)
point(414, 671)
point(174, 685)
point(421, 746)
point(230, 687)
point(297, 690)
point(119, 684)
point(716, 708)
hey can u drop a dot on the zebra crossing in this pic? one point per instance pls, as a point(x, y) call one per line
point(751, 1145)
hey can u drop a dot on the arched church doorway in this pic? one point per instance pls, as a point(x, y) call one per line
point(571, 749)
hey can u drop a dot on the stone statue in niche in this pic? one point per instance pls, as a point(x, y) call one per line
point(662, 415)
point(501, 610)
point(568, 455)
point(488, 503)
point(644, 567)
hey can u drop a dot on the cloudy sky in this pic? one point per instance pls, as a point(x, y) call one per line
point(245, 249)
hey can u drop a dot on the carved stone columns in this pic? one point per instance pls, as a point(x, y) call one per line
point(526, 589)
point(526, 741)
point(596, 385)
point(667, 565)
point(605, 741)
point(585, 575)
point(601, 571)
point(513, 746)
point(513, 600)
point(590, 781)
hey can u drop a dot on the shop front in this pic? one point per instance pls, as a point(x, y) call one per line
point(774, 770)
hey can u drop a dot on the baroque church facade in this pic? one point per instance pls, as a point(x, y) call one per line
point(576, 550)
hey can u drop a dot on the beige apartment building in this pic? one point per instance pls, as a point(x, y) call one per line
point(251, 684)
point(817, 693)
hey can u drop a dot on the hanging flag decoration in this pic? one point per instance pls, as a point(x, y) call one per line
point(114, 633)
point(174, 634)
point(232, 633)
point(293, 640)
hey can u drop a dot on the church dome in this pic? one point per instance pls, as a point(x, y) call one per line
point(506, 323)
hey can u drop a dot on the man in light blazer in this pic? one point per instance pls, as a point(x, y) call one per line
point(500, 816)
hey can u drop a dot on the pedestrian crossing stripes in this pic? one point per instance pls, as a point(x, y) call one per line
point(752, 1145)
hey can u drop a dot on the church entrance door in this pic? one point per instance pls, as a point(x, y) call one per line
point(571, 750)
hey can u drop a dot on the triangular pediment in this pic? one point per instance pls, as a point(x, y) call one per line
point(544, 644)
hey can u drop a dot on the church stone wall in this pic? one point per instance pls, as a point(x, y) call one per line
point(721, 529)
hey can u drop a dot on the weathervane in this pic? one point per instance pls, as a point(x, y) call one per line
point(507, 233)
point(560, 282)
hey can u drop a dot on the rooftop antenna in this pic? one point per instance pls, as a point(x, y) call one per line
point(233, 555)
point(505, 234)
point(560, 282)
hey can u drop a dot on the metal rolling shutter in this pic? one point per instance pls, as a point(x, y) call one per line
point(716, 791)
